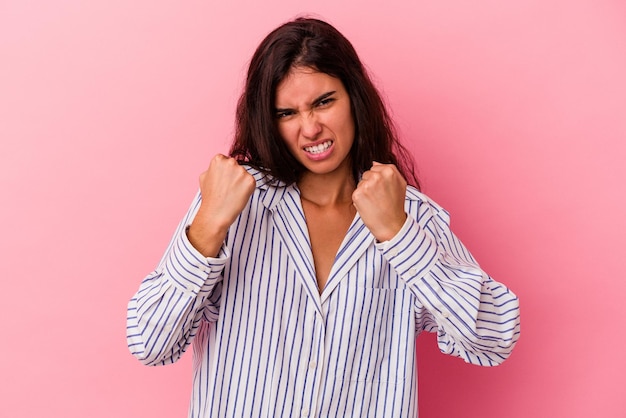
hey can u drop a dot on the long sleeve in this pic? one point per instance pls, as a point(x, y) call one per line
point(475, 317)
point(165, 313)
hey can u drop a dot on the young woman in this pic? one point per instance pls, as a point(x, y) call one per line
point(305, 267)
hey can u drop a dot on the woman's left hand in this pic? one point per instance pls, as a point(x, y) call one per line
point(379, 199)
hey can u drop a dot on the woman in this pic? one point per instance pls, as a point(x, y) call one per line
point(306, 266)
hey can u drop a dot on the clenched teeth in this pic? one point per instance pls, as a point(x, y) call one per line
point(316, 149)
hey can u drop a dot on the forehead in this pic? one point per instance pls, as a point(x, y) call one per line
point(306, 84)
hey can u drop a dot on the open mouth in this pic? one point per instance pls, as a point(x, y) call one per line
point(317, 149)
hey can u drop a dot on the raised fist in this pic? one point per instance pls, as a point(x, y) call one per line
point(226, 188)
point(379, 199)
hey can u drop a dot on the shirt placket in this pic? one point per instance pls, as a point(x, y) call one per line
point(312, 365)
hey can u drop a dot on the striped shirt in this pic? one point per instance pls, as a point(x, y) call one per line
point(267, 343)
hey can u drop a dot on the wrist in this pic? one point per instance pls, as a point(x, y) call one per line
point(391, 229)
point(206, 239)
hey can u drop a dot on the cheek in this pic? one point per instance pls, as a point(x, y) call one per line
point(347, 126)
point(282, 130)
point(287, 134)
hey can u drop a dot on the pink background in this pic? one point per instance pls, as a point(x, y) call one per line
point(109, 110)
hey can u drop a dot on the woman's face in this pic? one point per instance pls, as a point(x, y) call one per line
point(314, 119)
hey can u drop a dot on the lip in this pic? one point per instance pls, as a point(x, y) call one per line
point(322, 155)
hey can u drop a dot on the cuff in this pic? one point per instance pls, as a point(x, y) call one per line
point(412, 252)
point(190, 270)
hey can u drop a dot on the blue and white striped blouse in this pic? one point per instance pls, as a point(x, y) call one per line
point(268, 344)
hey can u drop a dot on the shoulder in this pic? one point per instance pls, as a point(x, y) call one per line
point(414, 195)
point(269, 190)
point(264, 180)
point(420, 204)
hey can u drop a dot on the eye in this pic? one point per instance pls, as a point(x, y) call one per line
point(325, 102)
point(282, 114)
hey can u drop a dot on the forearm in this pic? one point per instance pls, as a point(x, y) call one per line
point(206, 237)
point(476, 318)
point(164, 314)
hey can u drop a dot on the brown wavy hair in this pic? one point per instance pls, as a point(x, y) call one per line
point(307, 42)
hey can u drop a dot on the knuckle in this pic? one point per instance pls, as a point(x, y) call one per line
point(250, 180)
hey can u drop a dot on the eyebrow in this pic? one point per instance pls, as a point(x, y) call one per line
point(324, 96)
point(315, 101)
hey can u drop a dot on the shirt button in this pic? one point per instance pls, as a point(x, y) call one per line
point(305, 412)
point(445, 314)
point(413, 271)
point(312, 365)
point(393, 252)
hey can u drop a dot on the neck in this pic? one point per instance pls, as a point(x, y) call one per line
point(327, 189)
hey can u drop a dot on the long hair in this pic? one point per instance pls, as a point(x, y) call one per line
point(306, 42)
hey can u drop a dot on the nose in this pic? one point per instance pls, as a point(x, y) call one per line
point(310, 125)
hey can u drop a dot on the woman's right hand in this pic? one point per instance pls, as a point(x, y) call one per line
point(226, 188)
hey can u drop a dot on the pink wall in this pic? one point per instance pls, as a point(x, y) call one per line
point(515, 111)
